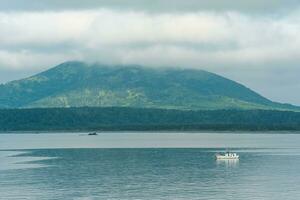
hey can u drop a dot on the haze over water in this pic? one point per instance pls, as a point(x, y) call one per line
point(149, 166)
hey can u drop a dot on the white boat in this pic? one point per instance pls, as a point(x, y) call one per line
point(227, 156)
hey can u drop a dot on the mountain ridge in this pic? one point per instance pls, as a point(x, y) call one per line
point(77, 84)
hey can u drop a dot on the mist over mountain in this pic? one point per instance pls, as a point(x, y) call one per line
point(78, 84)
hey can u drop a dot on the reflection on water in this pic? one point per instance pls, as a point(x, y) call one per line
point(19, 160)
point(230, 163)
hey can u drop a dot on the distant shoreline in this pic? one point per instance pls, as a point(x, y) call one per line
point(154, 132)
point(127, 119)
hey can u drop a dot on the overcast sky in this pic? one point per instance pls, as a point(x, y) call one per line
point(254, 42)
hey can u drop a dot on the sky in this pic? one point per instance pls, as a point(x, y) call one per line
point(253, 42)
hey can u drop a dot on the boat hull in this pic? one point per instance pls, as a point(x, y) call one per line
point(221, 157)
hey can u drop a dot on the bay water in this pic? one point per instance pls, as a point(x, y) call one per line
point(148, 165)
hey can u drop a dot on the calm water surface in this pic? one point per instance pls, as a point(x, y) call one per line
point(149, 166)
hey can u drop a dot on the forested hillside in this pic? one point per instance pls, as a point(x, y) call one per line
point(115, 118)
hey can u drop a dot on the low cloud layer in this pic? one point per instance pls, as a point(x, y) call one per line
point(203, 39)
point(155, 6)
point(237, 44)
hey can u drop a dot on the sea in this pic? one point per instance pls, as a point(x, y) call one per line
point(149, 166)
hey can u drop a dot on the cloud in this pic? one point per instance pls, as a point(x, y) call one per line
point(156, 6)
point(24, 59)
point(202, 39)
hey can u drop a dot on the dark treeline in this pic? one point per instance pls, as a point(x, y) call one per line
point(85, 119)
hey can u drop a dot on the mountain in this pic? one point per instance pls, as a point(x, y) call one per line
point(78, 84)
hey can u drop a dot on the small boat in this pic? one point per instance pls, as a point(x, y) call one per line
point(227, 156)
point(94, 133)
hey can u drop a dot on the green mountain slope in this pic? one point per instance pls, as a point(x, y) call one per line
point(77, 84)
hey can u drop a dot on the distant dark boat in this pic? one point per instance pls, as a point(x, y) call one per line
point(94, 133)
